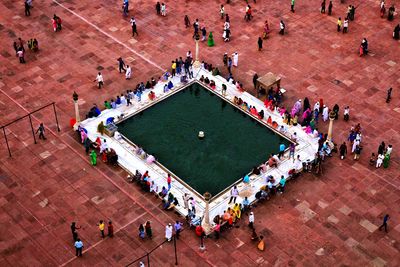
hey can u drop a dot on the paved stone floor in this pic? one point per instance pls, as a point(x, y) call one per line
point(329, 220)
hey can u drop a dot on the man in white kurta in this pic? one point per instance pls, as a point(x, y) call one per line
point(235, 57)
point(128, 72)
point(168, 232)
point(325, 113)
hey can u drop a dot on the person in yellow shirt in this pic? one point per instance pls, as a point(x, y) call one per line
point(173, 68)
point(101, 228)
point(339, 24)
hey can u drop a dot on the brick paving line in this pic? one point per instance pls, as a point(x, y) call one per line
point(106, 177)
point(102, 240)
point(109, 36)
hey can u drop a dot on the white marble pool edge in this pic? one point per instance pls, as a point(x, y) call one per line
point(127, 159)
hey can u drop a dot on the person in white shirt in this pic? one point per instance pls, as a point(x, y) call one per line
point(103, 146)
point(379, 160)
point(168, 232)
point(389, 149)
point(99, 79)
point(163, 10)
point(251, 220)
point(234, 194)
point(128, 72)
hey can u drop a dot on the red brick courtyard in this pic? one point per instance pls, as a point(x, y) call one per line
point(326, 220)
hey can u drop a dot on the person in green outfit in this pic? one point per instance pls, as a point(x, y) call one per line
point(386, 160)
point(93, 158)
point(107, 105)
point(210, 39)
point(292, 7)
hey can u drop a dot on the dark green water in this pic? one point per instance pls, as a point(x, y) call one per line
point(234, 143)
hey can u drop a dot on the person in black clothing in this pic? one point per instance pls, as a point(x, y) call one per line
point(336, 110)
point(41, 131)
point(121, 65)
point(343, 150)
point(158, 8)
point(381, 148)
point(260, 43)
point(255, 77)
point(323, 4)
point(27, 9)
point(396, 32)
point(330, 8)
point(384, 224)
point(74, 227)
point(389, 95)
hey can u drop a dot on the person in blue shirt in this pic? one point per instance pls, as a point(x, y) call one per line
point(282, 183)
point(246, 179)
point(281, 150)
point(384, 224)
point(245, 204)
point(78, 246)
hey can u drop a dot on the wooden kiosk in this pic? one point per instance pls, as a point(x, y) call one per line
point(267, 81)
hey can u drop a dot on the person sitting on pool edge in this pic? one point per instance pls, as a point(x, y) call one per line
point(152, 95)
point(272, 161)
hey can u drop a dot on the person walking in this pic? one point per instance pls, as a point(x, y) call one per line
point(93, 158)
point(343, 150)
point(203, 34)
point(345, 25)
point(101, 228)
point(158, 8)
point(323, 4)
point(163, 10)
point(292, 6)
point(121, 65)
point(133, 25)
point(234, 194)
point(141, 231)
point(168, 232)
point(178, 229)
point(260, 43)
point(74, 227)
point(110, 229)
point(230, 65)
point(41, 131)
point(78, 247)
point(27, 8)
point(21, 55)
point(149, 231)
point(128, 72)
point(251, 220)
point(282, 27)
point(389, 95)
point(384, 224)
point(187, 21)
point(225, 59)
point(339, 24)
point(330, 6)
point(99, 79)
point(222, 11)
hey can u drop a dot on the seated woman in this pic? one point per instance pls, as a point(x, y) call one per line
point(118, 101)
point(261, 114)
point(152, 95)
point(253, 111)
point(256, 170)
point(240, 101)
point(206, 80)
point(148, 85)
point(163, 192)
point(294, 120)
point(272, 162)
point(246, 179)
point(153, 187)
point(235, 100)
point(224, 88)
point(202, 78)
point(269, 120)
point(238, 210)
point(113, 104)
point(165, 88)
point(212, 84)
point(170, 85)
point(112, 157)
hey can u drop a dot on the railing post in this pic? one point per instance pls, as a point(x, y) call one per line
point(55, 114)
point(33, 131)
